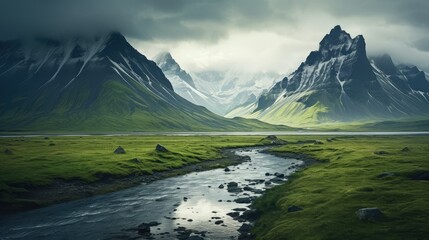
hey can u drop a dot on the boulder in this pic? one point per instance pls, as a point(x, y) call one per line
point(243, 200)
point(8, 151)
point(227, 169)
point(385, 175)
point(272, 139)
point(405, 149)
point(136, 160)
point(219, 222)
point(369, 214)
point(233, 214)
point(294, 208)
point(144, 229)
point(232, 184)
point(250, 215)
point(160, 148)
point(195, 237)
point(119, 150)
point(380, 152)
point(245, 228)
point(221, 186)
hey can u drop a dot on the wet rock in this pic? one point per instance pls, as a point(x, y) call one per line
point(144, 228)
point(277, 180)
point(267, 183)
point(267, 174)
point(250, 215)
point(221, 186)
point(185, 199)
point(227, 169)
point(385, 175)
point(279, 175)
point(119, 150)
point(160, 148)
point(195, 237)
point(405, 149)
point(380, 152)
point(294, 208)
point(247, 188)
point(243, 200)
point(258, 191)
point(233, 214)
point(232, 184)
point(245, 228)
point(369, 214)
point(219, 222)
point(8, 151)
point(239, 209)
point(233, 187)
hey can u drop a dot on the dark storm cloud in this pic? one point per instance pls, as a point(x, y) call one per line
point(399, 27)
point(189, 19)
point(422, 44)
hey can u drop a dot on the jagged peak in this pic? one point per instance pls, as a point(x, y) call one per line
point(336, 36)
point(385, 63)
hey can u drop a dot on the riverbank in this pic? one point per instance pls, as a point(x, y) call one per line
point(320, 202)
point(40, 171)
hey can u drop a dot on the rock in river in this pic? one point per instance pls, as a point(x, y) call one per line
point(369, 213)
point(243, 200)
point(119, 150)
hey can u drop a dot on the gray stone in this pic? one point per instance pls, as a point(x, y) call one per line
point(160, 148)
point(405, 149)
point(385, 175)
point(8, 151)
point(380, 152)
point(294, 208)
point(369, 214)
point(243, 200)
point(119, 150)
point(245, 228)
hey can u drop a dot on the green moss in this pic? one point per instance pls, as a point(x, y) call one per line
point(331, 192)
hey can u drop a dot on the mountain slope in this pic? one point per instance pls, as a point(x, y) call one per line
point(183, 83)
point(94, 84)
point(217, 91)
point(231, 89)
point(338, 83)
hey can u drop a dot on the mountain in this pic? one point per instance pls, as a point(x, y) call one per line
point(183, 83)
point(230, 89)
point(95, 84)
point(339, 83)
point(217, 91)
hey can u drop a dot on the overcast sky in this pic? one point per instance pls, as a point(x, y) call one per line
point(242, 35)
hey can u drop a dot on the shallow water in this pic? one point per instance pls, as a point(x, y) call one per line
point(114, 215)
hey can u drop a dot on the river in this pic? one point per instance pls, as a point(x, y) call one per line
point(193, 201)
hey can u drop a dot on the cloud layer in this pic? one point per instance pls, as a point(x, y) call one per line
point(245, 35)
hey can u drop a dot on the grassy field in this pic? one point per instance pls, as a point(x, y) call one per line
point(345, 180)
point(39, 161)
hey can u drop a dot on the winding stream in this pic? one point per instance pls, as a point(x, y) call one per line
point(193, 201)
